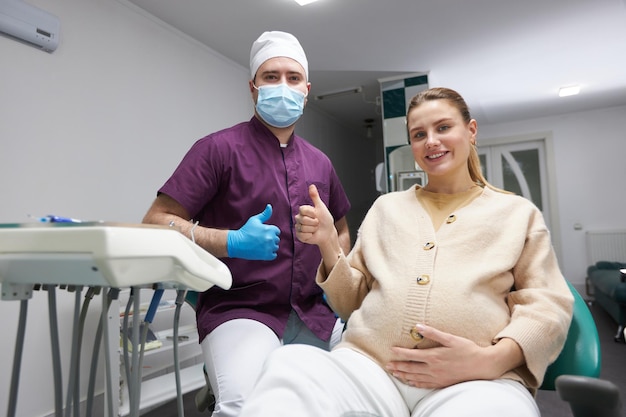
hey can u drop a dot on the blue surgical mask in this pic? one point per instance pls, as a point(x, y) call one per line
point(279, 105)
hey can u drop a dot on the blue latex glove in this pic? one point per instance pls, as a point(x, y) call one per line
point(255, 240)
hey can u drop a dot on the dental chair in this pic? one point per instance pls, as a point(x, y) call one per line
point(574, 374)
point(590, 397)
point(581, 353)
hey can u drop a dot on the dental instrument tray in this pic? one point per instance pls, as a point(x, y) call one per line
point(104, 254)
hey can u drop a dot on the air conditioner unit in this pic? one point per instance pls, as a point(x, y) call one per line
point(27, 23)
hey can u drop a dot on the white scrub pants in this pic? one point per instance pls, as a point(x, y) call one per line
point(235, 351)
point(301, 381)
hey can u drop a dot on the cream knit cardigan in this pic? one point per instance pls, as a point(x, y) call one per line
point(466, 271)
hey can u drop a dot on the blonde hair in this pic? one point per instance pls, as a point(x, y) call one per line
point(454, 98)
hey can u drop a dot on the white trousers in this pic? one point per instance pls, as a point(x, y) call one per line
point(235, 351)
point(300, 381)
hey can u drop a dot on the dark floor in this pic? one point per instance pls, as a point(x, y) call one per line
point(613, 369)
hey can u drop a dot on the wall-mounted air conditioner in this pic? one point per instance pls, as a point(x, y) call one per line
point(27, 23)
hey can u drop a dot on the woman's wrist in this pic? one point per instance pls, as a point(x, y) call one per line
point(506, 355)
point(330, 251)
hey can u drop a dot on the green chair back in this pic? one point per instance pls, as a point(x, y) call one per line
point(581, 354)
point(191, 298)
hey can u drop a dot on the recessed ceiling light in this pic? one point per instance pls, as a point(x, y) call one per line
point(305, 2)
point(569, 91)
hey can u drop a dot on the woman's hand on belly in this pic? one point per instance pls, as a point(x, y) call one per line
point(457, 359)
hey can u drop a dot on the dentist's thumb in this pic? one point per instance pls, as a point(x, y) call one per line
point(265, 214)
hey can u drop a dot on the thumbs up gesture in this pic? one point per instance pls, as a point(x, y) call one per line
point(315, 224)
point(255, 240)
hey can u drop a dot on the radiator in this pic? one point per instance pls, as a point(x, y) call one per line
point(609, 245)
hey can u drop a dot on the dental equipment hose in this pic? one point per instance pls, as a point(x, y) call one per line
point(133, 366)
point(107, 356)
point(74, 352)
point(145, 326)
point(180, 299)
point(129, 304)
point(73, 389)
point(111, 295)
point(134, 384)
point(56, 350)
point(17, 359)
point(129, 363)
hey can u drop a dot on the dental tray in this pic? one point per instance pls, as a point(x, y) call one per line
point(106, 254)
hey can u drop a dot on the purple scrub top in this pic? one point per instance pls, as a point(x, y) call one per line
point(230, 175)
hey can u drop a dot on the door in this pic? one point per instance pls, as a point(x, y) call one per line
point(520, 168)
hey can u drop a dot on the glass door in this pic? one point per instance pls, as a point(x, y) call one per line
point(520, 168)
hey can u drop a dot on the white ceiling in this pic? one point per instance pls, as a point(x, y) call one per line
point(508, 58)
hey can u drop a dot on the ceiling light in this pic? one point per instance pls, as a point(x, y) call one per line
point(305, 2)
point(569, 91)
point(353, 90)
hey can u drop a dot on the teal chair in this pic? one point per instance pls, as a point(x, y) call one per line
point(191, 298)
point(574, 374)
point(581, 354)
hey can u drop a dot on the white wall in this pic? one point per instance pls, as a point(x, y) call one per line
point(590, 169)
point(92, 130)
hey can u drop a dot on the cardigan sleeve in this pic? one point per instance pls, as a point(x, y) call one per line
point(347, 284)
point(541, 305)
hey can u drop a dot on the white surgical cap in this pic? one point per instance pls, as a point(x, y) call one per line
point(274, 44)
